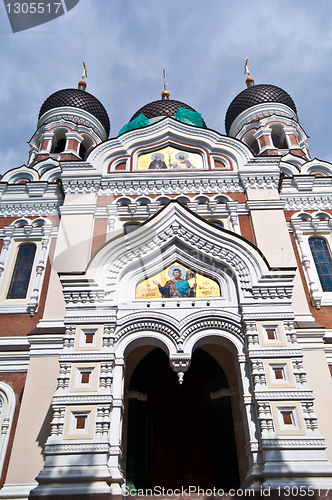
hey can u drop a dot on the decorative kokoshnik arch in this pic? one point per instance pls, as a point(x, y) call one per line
point(175, 232)
point(178, 339)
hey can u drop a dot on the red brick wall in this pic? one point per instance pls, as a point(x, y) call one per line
point(16, 381)
point(246, 228)
point(99, 235)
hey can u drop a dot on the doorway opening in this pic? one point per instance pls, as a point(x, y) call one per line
point(180, 435)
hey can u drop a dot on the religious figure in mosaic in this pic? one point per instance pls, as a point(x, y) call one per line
point(181, 161)
point(178, 285)
point(157, 162)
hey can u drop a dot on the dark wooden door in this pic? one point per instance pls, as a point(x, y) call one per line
point(179, 432)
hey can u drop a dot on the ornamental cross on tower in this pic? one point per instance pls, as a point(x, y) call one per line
point(85, 72)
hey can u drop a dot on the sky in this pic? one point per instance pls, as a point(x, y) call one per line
point(202, 45)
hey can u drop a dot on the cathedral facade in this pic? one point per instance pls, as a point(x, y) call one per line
point(166, 302)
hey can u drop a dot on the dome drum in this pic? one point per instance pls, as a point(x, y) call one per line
point(157, 110)
point(78, 99)
point(267, 95)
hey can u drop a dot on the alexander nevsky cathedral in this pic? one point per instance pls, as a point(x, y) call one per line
point(166, 303)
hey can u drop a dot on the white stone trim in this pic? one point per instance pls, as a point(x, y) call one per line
point(303, 230)
point(17, 491)
point(68, 114)
point(20, 232)
point(8, 403)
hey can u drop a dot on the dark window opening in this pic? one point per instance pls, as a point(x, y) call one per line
point(278, 373)
point(89, 338)
point(287, 417)
point(130, 227)
point(22, 271)
point(85, 377)
point(60, 146)
point(254, 146)
point(82, 151)
point(271, 334)
point(80, 422)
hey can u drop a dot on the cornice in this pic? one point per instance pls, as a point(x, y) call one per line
point(292, 443)
point(76, 115)
point(78, 209)
point(265, 204)
point(315, 201)
point(272, 395)
point(149, 184)
point(259, 180)
point(306, 182)
point(29, 209)
point(259, 112)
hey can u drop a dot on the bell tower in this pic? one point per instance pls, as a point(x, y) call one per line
point(265, 118)
point(70, 123)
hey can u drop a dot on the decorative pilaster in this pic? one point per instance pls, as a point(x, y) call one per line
point(315, 294)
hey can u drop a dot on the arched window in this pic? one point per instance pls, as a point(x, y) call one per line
point(22, 271)
point(323, 262)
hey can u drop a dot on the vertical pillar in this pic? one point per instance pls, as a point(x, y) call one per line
point(116, 427)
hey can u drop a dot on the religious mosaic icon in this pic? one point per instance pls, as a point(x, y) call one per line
point(177, 281)
point(169, 159)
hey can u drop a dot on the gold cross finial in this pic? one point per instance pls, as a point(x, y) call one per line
point(85, 72)
point(165, 93)
point(246, 69)
point(249, 81)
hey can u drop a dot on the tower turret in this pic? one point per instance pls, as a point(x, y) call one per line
point(265, 118)
point(70, 122)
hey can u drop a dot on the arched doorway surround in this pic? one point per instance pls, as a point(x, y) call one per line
point(180, 435)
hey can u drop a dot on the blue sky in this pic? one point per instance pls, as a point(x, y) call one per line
point(201, 44)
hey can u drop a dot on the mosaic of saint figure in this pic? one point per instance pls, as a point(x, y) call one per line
point(157, 162)
point(169, 158)
point(178, 285)
point(181, 161)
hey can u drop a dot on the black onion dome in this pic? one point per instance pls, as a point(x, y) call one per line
point(256, 94)
point(76, 98)
point(163, 107)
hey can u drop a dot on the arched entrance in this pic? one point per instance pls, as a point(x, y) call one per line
point(180, 435)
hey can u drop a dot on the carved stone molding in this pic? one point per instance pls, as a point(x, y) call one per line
point(264, 353)
point(284, 395)
point(149, 325)
point(202, 244)
point(161, 325)
point(293, 443)
point(214, 324)
point(76, 448)
point(307, 202)
point(180, 184)
point(254, 181)
point(93, 399)
point(29, 209)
